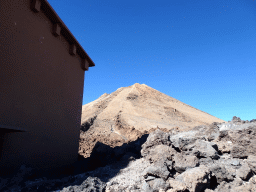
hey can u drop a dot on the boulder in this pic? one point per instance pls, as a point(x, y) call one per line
point(221, 173)
point(183, 162)
point(237, 186)
point(202, 149)
point(244, 172)
point(90, 184)
point(159, 153)
point(246, 187)
point(236, 119)
point(158, 184)
point(238, 152)
point(180, 140)
point(214, 158)
point(157, 170)
point(160, 157)
point(176, 186)
point(251, 160)
point(225, 146)
point(145, 187)
point(157, 137)
point(196, 179)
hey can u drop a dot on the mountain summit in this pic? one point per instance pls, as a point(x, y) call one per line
point(129, 112)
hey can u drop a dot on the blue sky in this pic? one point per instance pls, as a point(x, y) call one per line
point(201, 52)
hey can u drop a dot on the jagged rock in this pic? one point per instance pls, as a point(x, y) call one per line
point(244, 172)
point(161, 153)
point(238, 152)
point(223, 135)
point(202, 149)
point(158, 184)
point(227, 187)
point(176, 186)
point(239, 140)
point(89, 185)
point(225, 146)
point(196, 179)
point(146, 187)
point(156, 138)
point(129, 177)
point(247, 187)
point(221, 173)
point(236, 119)
point(181, 140)
point(251, 160)
point(253, 181)
point(161, 158)
point(210, 132)
point(237, 186)
point(157, 170)
point(214, 158)
point(184, 162)
point(206, 161)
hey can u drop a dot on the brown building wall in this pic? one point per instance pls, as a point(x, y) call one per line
point(41, 90)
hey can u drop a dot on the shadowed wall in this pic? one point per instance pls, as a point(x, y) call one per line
point(41, 89)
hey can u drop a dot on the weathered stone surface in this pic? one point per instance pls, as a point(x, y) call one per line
point(160, 157)
point(225, 146)
point(90, 184)
point(238, 152)
point(206, 161)
point(238, 139)
point(244, 172)
point(236, 119)
point(210, 132)
point(176, 186)
point(182, 140)
point(221, 173)
point(251, 160)
point(214, 158)
point(237, 186)
point(156, 138)
point(160, 153)
point(184, 162)
point(157, 170)
point(146, 187)
point(196, 179)
point(202, 149)
point(158, 184)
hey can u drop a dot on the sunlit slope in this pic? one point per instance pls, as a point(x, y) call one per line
point(143, 107)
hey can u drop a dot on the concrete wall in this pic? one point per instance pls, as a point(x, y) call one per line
point(41, 90)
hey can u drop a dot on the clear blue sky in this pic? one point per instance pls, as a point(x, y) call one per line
point(201, 52)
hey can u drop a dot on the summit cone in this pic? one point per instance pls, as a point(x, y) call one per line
point(130, 112)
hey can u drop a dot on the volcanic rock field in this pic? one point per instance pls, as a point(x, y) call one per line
point(138, 139)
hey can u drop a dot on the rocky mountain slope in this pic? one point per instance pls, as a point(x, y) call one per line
point(130, 112)
point(220, 157)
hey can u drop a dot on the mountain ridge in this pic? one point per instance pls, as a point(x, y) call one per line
point(108, 94)
point(129, 112)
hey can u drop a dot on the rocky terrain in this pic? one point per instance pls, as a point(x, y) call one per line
point(219, 157)
point(130, 112)
point(139, 139)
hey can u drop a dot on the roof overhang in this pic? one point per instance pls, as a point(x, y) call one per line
point(47, 9)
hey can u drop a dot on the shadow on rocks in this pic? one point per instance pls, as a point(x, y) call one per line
point(103, 155)
point(87, 174)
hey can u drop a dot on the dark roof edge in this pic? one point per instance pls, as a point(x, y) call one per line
point(53, 16)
